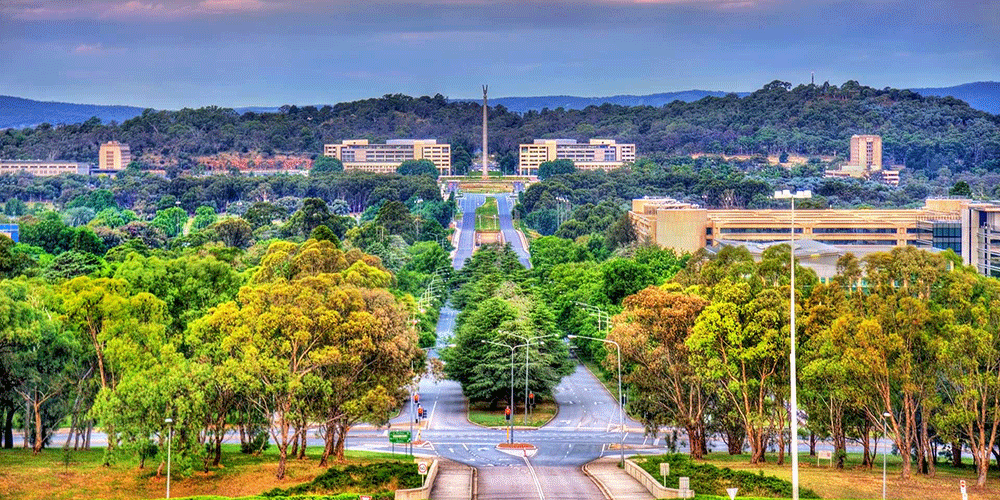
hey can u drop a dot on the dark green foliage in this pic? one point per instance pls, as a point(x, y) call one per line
point(367, 478)
point(71, 264)
point(326, 165)
point(262, 213)
point(418, 167)
point(324, 233)
point(555, 167)
point(315, 212)
point(98, 199)
point(621, 233)
point(961, 188)
point(15, 207)
point(47, 231)
point(711, 480)
point(623, 277)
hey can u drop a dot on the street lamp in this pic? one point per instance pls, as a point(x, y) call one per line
point(510, 422)
point(794, 410)
point(170, 434)
point(596, 311)
point(527, 343)
point(885, 435)
point(621, 399)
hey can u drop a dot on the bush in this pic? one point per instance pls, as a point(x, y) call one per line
point(708, 479)
point(376, 477)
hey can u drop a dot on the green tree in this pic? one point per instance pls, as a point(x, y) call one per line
point(170, 220)
point(234, 232)
point(204, 216)
point(418, 167)
point(326, 165)
point(623, 277)
point(555, 167)
point(961, 188)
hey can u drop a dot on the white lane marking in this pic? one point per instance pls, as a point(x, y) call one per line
point(538, 485)
point(466, 447)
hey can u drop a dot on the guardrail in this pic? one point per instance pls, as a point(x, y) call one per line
point(423, 492)
point(653, 485)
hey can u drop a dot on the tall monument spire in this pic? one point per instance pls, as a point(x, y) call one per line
point(486, 155)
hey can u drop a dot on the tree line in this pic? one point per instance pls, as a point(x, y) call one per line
point(923, 133)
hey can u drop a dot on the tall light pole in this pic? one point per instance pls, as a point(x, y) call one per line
point(527, 347)
point(621, 398)
point(510, 423)
point(794, 407)
point(885, 435)
point(170, 434)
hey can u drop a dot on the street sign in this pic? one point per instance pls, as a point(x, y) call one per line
point(965, 494)
point(732, 493)
point(399, 437)
point(365, 497)
point(422, 468)
point(665, 469)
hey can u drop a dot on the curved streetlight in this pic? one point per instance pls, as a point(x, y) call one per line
point(528, 341)
point(621, 399)
point(170, 434)
point(510, 422)
point(794, 410)
point(885, 435)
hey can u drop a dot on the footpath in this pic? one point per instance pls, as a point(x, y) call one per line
point(454, 481)
point(614, 481)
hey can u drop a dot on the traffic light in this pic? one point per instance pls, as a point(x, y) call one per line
point(531, 398)
point(416, 398)
point(423, 412)
point(506, 413)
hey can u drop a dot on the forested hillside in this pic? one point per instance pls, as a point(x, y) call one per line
point(926, 134)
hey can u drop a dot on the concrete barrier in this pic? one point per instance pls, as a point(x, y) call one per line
point(423, 492)
point(653, 485)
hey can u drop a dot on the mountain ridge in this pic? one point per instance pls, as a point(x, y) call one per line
point(19, 112)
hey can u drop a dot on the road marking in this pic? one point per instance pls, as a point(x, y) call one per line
point(538, 485)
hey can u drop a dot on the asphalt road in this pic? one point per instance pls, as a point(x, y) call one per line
point(467, 205)
point(505, 206)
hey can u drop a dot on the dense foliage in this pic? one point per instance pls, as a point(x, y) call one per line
point(708, 479)
point(922, 133)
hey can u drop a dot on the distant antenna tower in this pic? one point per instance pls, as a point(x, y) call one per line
point(486, 155)
point(813, 77)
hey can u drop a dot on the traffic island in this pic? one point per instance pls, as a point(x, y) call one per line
point(518, 449)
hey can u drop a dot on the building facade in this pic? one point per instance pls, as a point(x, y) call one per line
point(687, 228)
point(866, 161)
point(359, 154)
point(598, 154)
point(114, 156)
point(43, 168)
point(12, 231)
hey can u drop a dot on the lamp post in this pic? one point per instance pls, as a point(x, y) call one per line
point(621, 399)
point(885, 435)
point(794, 410)
point(170, 434)
point(597, 311)
point(527, 344)
point(510, 422)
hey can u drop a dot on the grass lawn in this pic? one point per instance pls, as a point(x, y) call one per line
point(487, 216)
point(854, 482)
point(479, 413)
point(24, 476)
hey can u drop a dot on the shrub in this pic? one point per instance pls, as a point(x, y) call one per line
point(708, 479)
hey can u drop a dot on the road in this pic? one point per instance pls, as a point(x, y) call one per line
point(467, 228)
point(505, 206)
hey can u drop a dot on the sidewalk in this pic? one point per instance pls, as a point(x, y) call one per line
point(453, 481)
point(615, 482)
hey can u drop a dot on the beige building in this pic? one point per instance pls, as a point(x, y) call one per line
point(602, 154)
point(866, 161)
point(42, 168)
point(686, 227)
point(114, 156)
point(358, 154)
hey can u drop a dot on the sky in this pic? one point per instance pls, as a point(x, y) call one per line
point(169, 54)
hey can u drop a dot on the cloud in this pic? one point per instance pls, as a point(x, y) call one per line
point(37, 10)
point(84, 48)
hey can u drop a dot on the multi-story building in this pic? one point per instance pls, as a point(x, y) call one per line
point(114, 156)
point(44, 168)
point(866, 161)
point(939, 224)
point(358, 154)
point(11, 231)
point(603, 154)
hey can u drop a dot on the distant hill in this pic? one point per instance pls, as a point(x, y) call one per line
point(16, 112)
point(984, 96)
point(523, 104)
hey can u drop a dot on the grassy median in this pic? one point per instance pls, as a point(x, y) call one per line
point(80, 475)
point(487, 216)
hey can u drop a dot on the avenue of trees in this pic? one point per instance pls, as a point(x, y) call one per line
point(263, 320)
point(925, 134)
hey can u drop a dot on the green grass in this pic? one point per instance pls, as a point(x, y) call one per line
point(480, 413)
point(25, 476)
point(487, 216)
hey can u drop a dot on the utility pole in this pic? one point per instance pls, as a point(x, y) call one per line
point(486, 154)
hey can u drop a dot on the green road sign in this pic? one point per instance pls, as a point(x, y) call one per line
point(399, 437)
